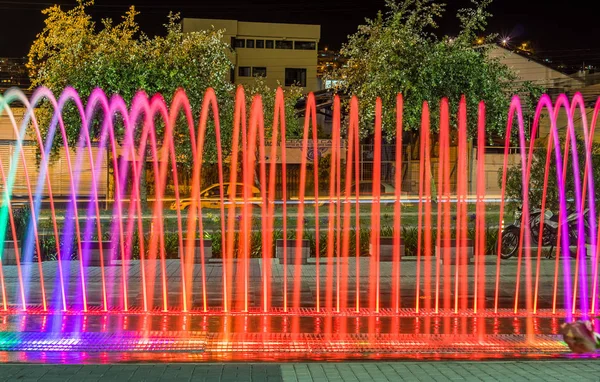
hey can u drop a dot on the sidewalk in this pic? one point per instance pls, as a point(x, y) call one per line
point(535, 370)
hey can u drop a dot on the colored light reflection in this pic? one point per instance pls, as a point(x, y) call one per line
point(173, 343)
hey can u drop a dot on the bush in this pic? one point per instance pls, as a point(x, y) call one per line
point(48, 248)
point(215, 237)
point(171, 242)
point(410, 237)
point(22, 217)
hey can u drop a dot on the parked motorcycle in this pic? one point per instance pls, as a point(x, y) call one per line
point(512, 233)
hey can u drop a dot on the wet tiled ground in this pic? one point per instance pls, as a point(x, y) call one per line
point(296, 335)
point(547, 370)
point(212, 282)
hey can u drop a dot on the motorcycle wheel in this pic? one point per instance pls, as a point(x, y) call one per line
point(548, 237)
point(534, 227)
point(573, 238)
point(510, 242)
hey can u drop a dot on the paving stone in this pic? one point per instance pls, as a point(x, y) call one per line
point(534, 370)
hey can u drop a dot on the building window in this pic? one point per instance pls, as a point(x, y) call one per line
point(238, 43)
point(260, 44)
point(269, 44)
point(295, 76)
point(244, 71)
point(305, 45)
point(330, 84)
point(249, 43)
point(259, 71)
point(284, 44)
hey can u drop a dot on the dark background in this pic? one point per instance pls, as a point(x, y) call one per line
point(566, 31)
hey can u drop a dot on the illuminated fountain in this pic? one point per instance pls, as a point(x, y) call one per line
point(435, 304)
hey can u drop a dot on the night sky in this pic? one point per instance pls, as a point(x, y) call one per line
point(567, 31)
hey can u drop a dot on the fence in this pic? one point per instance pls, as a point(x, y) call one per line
point(58, 171)
point(411, 170)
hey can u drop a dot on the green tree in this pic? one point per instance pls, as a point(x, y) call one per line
point(73, 51)
point(121, 60)
point(294, 126)
point(399, 53)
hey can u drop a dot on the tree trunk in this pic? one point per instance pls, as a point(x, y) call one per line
point(257, 177)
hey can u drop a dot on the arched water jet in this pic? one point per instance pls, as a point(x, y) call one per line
point(452, 308)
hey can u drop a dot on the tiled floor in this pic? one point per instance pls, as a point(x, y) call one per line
point(543, 370)
point(213, 279)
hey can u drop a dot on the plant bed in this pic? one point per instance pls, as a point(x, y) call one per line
point(9, 255)
point(197, 251)
point(291, 251)
point(468, 245)
point(93, 253)
point(386, 249)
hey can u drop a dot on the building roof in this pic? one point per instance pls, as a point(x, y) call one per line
point(533, 69)
point(250, 28)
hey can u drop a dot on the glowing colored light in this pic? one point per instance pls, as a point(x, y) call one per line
point(351, 299)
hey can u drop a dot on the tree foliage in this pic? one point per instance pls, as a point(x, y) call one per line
point(294, 126)
point(73, 51)
point(397, 52)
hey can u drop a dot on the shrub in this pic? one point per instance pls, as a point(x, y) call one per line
point(21, 216)
point(410, 237)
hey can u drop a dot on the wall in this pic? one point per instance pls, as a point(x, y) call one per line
point(531, 70)
point(58, 170)
point(274, 60)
